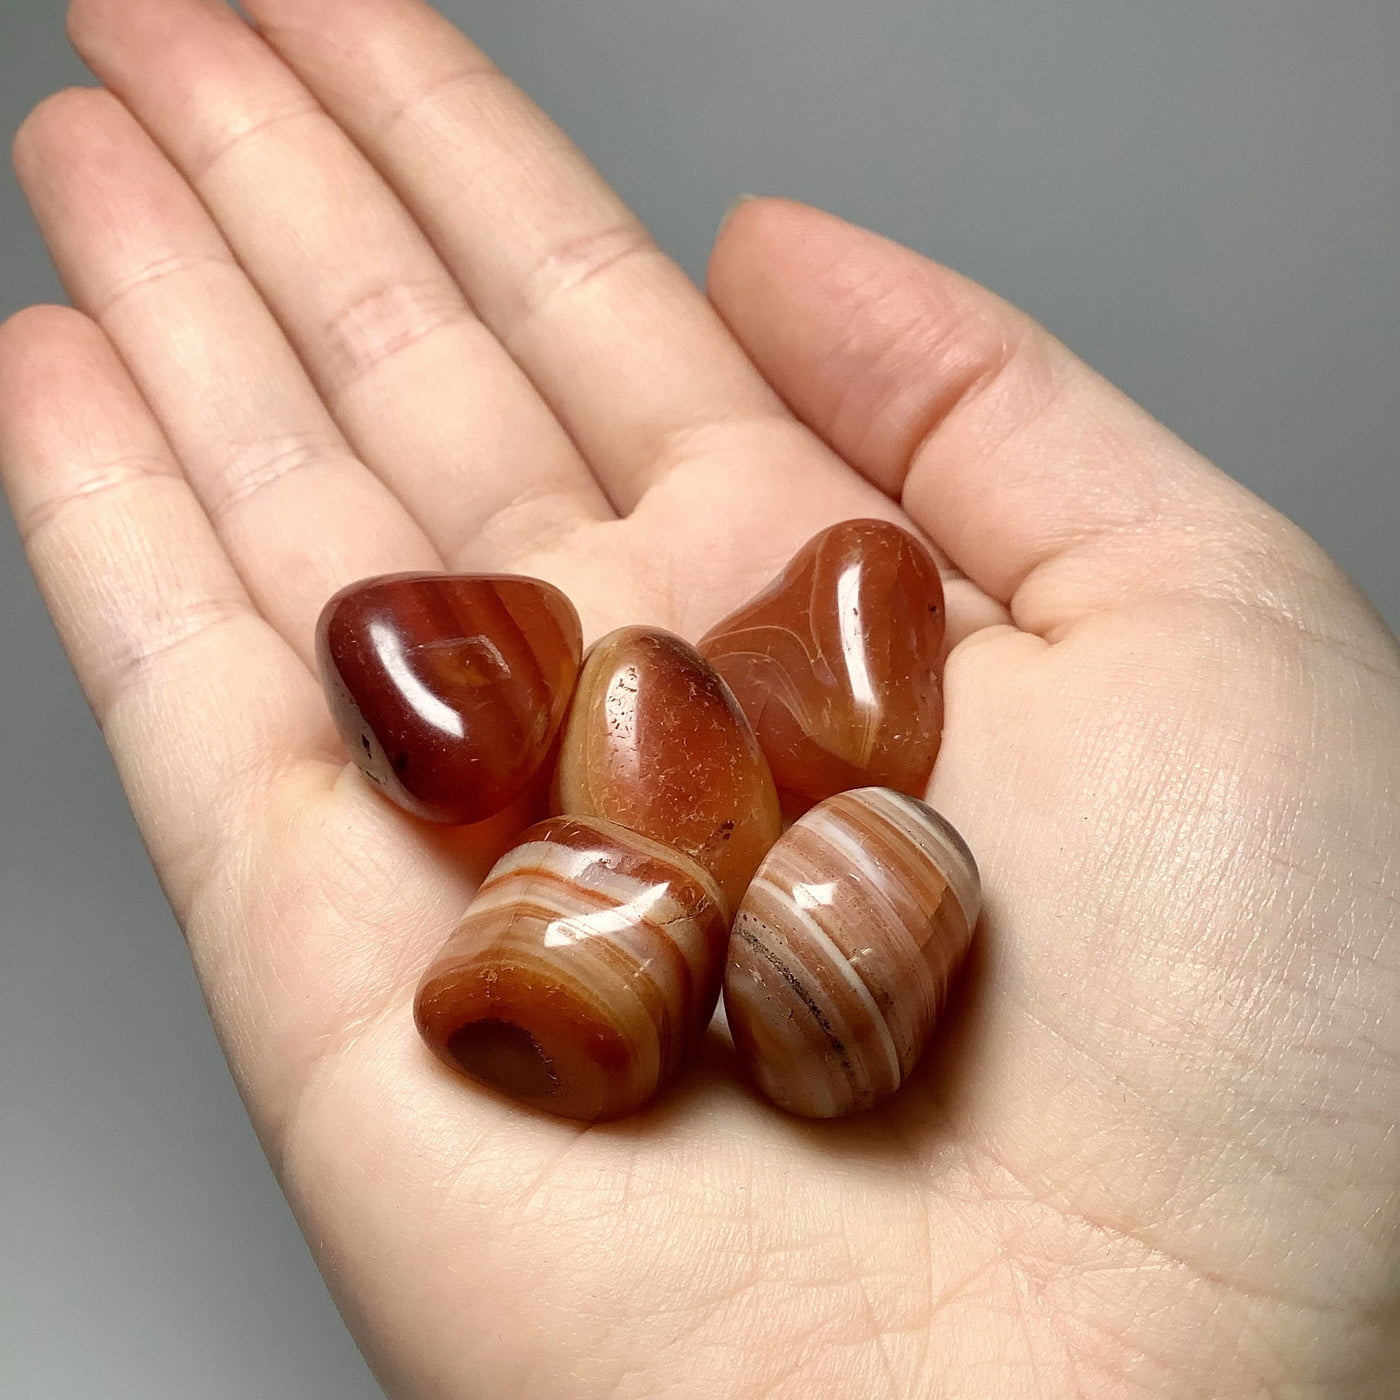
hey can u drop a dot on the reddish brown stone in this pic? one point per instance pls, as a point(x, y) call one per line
point(582, 974)
point(655, 740)
point(449, 689)
point(837, 662)
point(844, 949)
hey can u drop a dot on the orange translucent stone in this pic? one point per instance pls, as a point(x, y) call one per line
point(837, 663)
point(449, 689)
point(655, 740)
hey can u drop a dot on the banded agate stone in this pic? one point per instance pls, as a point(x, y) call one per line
point(654, 740)
point(583, 972)
point(837, 662)
point(448, 690)
point(843, 949)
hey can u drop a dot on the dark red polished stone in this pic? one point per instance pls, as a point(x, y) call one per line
point(448, 689)
point(837, 663)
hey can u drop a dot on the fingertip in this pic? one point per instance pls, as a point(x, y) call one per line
point(21, 327)
point(60, 116)
point(38, 340)
point(95, 26)
point(78, 20)
point(732, 208)
point(750, 224)
point(70, 126)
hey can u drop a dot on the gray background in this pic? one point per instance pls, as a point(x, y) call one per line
point(1201, 197)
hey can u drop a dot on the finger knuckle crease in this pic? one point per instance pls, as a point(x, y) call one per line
point(374, 329)
point(414, 109)
point(573, 264)
point(250, 473)
point(163, 639)
point(153, 273)
point(93, 489)
point(240, 134)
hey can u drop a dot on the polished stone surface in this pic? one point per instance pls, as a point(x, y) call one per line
point(837, 663)
point(843, 950)
point(585, 969)
point(449, 689)
point(655, 740)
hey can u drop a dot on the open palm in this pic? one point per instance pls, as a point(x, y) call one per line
point(347, 303)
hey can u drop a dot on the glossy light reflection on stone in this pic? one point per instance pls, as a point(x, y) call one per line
point(448, 689)
point(837, 662)
point(583, 973)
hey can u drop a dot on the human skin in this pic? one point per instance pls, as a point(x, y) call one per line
point(1153, 1152)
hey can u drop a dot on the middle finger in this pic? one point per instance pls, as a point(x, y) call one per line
point(625, 349)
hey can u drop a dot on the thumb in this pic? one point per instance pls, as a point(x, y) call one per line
point(1047, 486)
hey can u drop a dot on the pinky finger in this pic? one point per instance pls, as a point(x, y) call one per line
point(201, 702)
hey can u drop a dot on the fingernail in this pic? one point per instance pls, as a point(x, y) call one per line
point(738, 200)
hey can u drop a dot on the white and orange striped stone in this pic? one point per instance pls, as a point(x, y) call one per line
point(843, 949)
point(585, 969)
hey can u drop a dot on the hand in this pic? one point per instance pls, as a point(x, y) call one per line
point(347, 303)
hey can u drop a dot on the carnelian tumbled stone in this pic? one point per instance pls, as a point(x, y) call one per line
point(448, 689)
point(844, 948)
point(837, 662)
point(655, 740)
point(582, 974)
